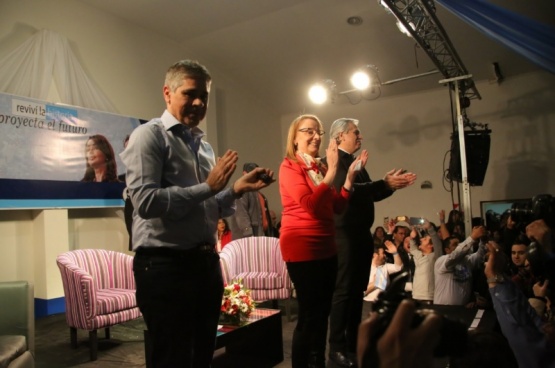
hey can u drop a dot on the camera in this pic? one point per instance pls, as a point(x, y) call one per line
point(540, 207)
point(453, 333)
point(415, 221)
point(265, 178)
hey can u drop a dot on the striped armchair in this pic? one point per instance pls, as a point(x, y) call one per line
point(257, 261)
point(99, 290)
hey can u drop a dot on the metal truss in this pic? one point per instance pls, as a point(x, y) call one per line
point(419, 19)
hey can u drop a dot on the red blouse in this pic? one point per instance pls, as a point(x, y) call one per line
point(226, 238)
point(307, 226)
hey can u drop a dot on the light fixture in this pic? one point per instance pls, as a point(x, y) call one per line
point(323, 91)
point(366, 85)
point(366, 82)
point(360, 80)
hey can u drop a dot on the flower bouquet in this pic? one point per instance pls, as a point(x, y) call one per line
point(237, 304)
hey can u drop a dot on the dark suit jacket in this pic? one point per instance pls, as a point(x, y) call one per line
point(359, 215)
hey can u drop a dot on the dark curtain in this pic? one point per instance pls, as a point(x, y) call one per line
point(529, 38)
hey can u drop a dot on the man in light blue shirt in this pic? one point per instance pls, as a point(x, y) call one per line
point(177, 189)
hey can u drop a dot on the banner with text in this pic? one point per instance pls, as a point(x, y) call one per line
point(60, 156)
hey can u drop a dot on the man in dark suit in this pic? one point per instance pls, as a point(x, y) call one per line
point(354, 241)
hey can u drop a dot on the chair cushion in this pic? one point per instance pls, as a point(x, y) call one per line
point(115, 300)
point(261, 280)
point(11, 346)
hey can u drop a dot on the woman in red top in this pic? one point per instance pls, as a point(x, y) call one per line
point(224, 234)
point(307, 233)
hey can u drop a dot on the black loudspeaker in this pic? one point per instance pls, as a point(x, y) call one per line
point(477, 144)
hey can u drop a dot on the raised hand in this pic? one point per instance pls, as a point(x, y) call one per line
point(222, 171)
point(413, 232)
point(252, 181)
point(441, 214)
point(363, 157)
point(390, 246)
point(332, 158)
point(478, 232)
point(332, 155)
point(399, 179)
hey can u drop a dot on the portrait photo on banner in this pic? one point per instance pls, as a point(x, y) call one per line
point(60, 156)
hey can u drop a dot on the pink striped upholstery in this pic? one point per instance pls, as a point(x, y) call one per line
point(258, 262)
point(99, 288)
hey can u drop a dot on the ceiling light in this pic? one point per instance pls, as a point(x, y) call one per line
point(321, 92)
point(360, 80)
point(366, 81)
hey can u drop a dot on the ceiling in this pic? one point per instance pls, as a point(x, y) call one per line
point(276, 49)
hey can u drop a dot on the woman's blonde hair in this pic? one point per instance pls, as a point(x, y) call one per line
point(290, 147)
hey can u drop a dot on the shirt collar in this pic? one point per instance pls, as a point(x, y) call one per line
point(169, 122)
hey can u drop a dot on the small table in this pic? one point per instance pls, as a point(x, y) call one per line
point(260, 337)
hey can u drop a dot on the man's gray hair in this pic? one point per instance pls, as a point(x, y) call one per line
point(341, 126)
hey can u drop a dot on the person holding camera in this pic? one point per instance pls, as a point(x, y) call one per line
point(531, 338)
point(453, 271)
point(425, 255)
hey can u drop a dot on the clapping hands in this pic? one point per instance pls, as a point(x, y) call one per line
point(399, 179)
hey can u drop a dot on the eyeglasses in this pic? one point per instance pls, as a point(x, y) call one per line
point(356, 132)
point(311, 131)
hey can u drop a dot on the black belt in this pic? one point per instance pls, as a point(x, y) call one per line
point(175, 252)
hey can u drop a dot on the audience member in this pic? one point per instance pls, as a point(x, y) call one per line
point(397, 233)
point(252, 217)
point(224, 234)
point(453, 271)
point(177, 189)
point(307, 240)
point(380, 271)
point(101, 161)
point(425, 255)
point(454, 225)
point(354, 241)
point(378, 236)
point(530, 338)
point(519, 267)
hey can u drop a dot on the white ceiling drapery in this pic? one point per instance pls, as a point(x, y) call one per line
point(45, 57)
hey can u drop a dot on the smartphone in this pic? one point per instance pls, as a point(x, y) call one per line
point(415, 221)
point(358, 165)
point(400, 218)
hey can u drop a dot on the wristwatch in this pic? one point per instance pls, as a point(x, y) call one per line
point(496, 279)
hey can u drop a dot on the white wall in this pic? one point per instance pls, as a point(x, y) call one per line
point(412, 131)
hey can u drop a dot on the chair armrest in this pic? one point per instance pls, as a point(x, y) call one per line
point(79, 285)
point(229, 260)
point(17, 310)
